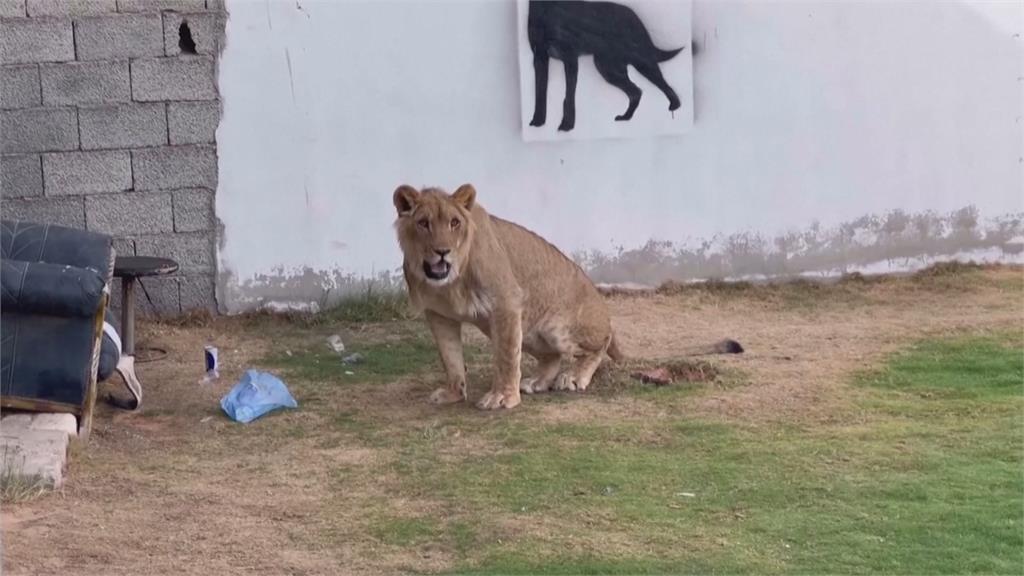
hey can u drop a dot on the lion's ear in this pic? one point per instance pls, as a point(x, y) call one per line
point(406, 197)
point(465, 196)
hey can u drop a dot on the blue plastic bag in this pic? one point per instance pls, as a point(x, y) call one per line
point(255, 395)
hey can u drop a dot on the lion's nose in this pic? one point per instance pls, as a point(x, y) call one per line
point(442, 253)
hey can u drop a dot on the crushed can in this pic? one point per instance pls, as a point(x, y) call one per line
point(212, 365)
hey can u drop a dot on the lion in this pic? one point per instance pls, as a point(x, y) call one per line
point(465, 266)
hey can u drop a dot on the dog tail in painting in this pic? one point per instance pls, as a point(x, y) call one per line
point(663, 55)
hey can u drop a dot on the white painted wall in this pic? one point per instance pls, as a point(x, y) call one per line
point(804, 112)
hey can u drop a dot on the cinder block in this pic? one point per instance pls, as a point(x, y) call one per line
point(197, 293)
point(215, 5)
point(38, 130)
point(69, 211)
point(21, 176)
point(122, 126)
point(119, 36)
point(160, 5)
point(85, 82)
point(206, 30)
point(12, 8)
point(86, 172)
point(193, 122)
point(174, 167)
point(179, 78)
point(38, 8)
point(25, 40)
point(157, 297)
point(129, 213)
point(34, 454)
point(192, 251)
point(52, 421)
point(193, 210)
point(123, 247)
point(19, 86)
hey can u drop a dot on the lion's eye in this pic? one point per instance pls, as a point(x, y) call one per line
point(456, 223)
point(424, 223)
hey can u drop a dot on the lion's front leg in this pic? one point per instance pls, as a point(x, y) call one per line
point(448, 337)
point(507, 339)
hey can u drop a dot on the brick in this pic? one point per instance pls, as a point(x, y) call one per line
point(197, 293)
point(19, 86)
point(154, 296)
point(122, 126)
point(193, 210)
point(119, 36)
point(206, 30)
point(192, 251)
point(129, 213)
point(160, 5)
point(26, 40)
point(38, 130)
point(38, 8)
point(21, 176)
point(34, 454)
point(193, 122)
point(85, 82)
point(180, 78)
point(175, 167)
point(12, 8)
point(124, 246)
point(60, 211)
point(215, 5)
point(86, 172)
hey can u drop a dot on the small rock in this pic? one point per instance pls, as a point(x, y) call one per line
point(356, 358)
point(336, 344)
point(350, 373)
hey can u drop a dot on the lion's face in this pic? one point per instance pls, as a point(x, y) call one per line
point(435, 231)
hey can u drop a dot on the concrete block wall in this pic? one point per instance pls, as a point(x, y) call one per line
point(108, 114)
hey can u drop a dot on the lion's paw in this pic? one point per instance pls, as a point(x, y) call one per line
point(446, 395)
point(495, 400)
point(566, 382)
point(534, 386)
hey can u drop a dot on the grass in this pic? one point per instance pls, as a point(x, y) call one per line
point(927, 478)
point(923, 472)
point(383, 361)
point(16, 487)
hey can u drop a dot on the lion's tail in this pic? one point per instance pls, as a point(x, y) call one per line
point(727, 346)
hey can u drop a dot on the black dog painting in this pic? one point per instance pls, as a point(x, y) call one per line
point(619, 41)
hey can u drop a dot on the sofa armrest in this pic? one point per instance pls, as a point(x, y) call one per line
point(50, 289)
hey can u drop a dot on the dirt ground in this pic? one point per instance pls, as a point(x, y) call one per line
point(176, 488)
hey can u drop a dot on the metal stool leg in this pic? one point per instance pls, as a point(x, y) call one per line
point(126, 365)
point(128, 316)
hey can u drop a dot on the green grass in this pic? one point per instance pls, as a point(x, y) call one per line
point(924, 475)
point(316, 363)
point(370, 306)
point(15, 486)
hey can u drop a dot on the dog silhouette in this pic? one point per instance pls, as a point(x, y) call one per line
point(612, 33)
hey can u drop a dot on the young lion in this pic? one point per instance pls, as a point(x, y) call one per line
point(464, 265)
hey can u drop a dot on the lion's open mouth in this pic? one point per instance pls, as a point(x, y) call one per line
point(438, 270)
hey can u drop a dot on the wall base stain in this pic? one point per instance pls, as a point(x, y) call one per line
point(894, 242)
point(891, 243)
